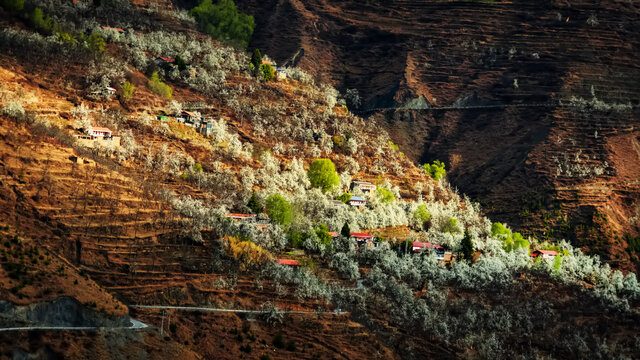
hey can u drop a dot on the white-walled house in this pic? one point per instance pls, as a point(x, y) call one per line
point(357, 201)
point(364, 186)
point(545, 254)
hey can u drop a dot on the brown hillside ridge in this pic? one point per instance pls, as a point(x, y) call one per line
point(545, 170)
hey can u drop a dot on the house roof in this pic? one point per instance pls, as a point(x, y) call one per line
point(361, 235)
point(241, 215)
point(167, 59)
point(334, 234)
point(97, 128)
point(265, 62)
point(359, 182)
point(110, 88)
point(190, 113)
point(422, 244)
point(356, 198)
point(546, 252)
point(289, 262)
point(112, 28)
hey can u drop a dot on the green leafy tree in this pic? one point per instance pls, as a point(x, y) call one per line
point(279, 210)
point(254, 203)
point(96, 43)
point(511, 241)
point(323, 234)
point(158, 87)
point(346, 231)
point(256, 61)
point(435, 170)
point(223, 21)
point(467, 246)
point(268, 72)
point(127, 91)
point(385, 195)
point(557, 263)
point(422, 215)
point(197, 168)
point(322, 174)
point(451, 226)
point(13, 5)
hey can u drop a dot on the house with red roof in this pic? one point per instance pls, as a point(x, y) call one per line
point(544, 254)
point(100, 131)
point(421, 246)
point(113, 28)
point(242, 217)
point(289, 262)
point(362, 239)
point(364, 186)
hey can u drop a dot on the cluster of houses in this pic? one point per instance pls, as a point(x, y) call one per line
point(98, 136)
point(202, 124)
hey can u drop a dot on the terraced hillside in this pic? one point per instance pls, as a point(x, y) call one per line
point(552, 170)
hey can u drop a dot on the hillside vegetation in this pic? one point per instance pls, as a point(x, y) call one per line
point(147, 221)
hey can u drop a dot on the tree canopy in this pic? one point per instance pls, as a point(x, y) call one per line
point(279, 210)
point(322, 174)
point(224, 22)
point(436, 170)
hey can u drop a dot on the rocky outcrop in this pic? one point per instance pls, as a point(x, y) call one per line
point(62, 312)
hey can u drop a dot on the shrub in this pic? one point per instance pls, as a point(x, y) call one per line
point(279, 210)
point(223, 21)
point(158, 87)
point(127, 91)
point(322, 174)
point(267, 72)
point(344, 198)
point(96, 43)
point(511, 241)
point(435, 170)
point(173, 327)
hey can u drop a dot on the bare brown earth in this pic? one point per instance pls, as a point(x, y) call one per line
point(510, 159)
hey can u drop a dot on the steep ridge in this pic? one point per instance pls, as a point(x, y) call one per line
point(548, 170)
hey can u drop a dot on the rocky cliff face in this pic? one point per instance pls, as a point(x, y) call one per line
point(553, 171)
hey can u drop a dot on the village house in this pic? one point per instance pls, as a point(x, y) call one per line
point(364, 186)
point(281, 74)
point(191, 118)
point(165, 62)
point(334, 235)
point(362, 239)
point(98, 136)
point(544, 254)
point(420, 246)
point(242, 217)
point(357, 201)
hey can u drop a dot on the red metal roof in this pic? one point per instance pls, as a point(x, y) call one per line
point(96, 128)
point(289, 262)
point(360, 235)
point(167, 59)
point(334, 234)
point(240, 215)
point(546, 252)
point(422, 244)
point(112, 28)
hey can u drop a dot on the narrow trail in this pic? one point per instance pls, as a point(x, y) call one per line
point(237, 311)
point(135, 325)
